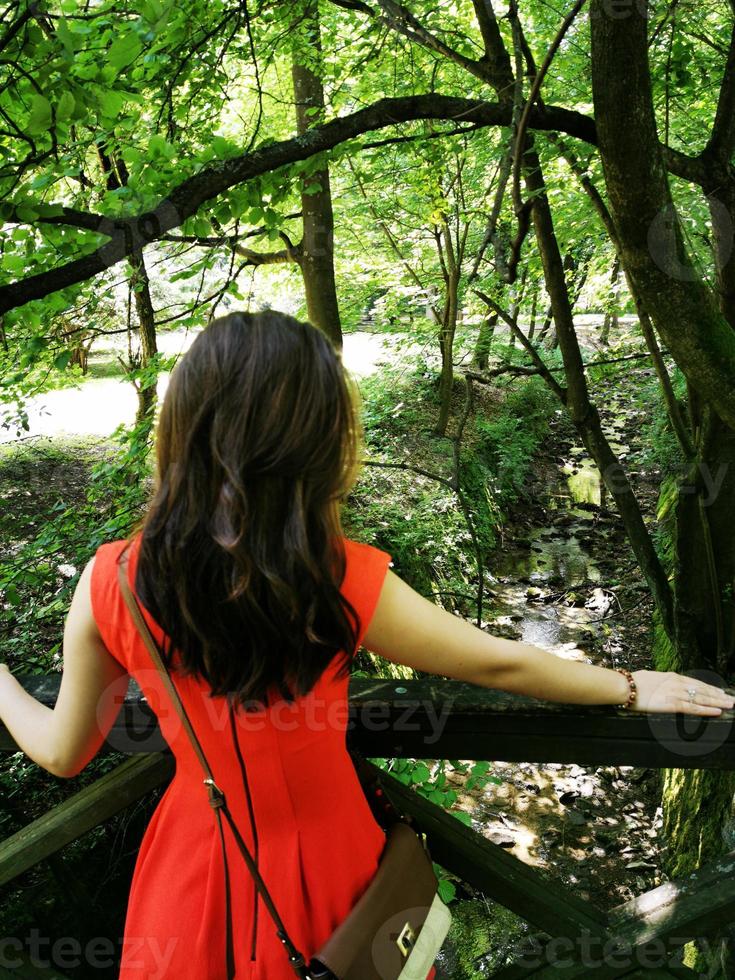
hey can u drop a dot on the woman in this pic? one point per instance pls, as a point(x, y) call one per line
point(259, 602)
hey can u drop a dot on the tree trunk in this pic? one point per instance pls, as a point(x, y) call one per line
point(683, 309)
point(484, 341)
point(534, 310)
point(147, 332)
point(446, 346)
point(700, 339)
point(517, 300)
point(611, 313)
point(317, 244)
point(544, 326)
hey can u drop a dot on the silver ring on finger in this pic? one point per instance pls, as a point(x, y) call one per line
point(692, 691)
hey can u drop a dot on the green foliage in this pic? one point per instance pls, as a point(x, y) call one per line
point(480, 937)
point(39, 572)
point(414, 517)
point(431, 779)
point(508, 440)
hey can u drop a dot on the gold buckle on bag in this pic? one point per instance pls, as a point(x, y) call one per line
point(406, 939)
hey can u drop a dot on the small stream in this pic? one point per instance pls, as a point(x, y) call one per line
point(548, 584)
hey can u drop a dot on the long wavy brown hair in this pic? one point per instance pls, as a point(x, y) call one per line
point(242, 555)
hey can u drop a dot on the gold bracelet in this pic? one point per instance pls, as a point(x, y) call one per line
point(632, 685)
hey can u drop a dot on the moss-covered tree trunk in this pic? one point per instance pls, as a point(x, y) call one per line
point(700, 337)
point(484, 341)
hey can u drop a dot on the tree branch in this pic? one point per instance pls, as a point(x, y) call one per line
point(129, 234)
point(87, 220)
point(722, 140)
point(404, 22)
point(541, 367)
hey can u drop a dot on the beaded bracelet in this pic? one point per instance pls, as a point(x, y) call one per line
point(633, 689)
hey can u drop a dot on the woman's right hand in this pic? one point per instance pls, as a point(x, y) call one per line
point(664, 690)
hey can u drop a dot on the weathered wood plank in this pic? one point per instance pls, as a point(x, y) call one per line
point(444, 719)
point(86, 809)
point(649, 931)
point(695, 906)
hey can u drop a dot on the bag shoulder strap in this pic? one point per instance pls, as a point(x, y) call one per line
point(132, 603)
point(216, 797)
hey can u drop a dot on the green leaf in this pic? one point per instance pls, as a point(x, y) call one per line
point(447, 890)
point(124, 51)
point(158, 145)
point(36, 344)
point(62, 360)
point(65, 106)
point(40, 117)
point(13, 263)
point(110, 103)
point(224, 147)
point(66, 37)
point(464, 817)
point(152, 10)
point(420, 773)
point(11, 594)
point(26, 213)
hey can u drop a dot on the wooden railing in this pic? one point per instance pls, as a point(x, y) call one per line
point(437, 719)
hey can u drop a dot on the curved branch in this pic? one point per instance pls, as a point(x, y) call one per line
point(129, 234)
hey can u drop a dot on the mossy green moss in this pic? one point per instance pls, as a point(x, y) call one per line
point(479, 938)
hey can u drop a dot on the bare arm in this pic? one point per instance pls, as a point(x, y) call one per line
point(408, 629)
point(63, 739)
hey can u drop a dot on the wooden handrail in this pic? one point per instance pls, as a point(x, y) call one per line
point(436, 718)
point(445, 719)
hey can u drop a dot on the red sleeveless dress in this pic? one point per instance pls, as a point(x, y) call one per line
point(290, 786)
